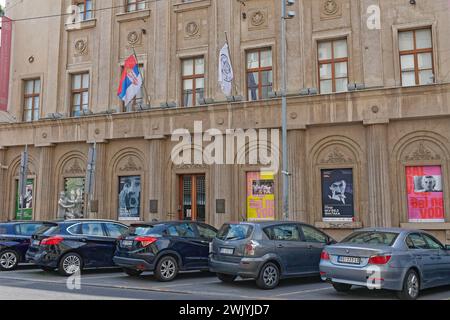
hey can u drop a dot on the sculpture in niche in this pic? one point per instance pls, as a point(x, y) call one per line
point(71, 205)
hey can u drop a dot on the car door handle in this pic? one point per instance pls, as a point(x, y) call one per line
point(280, 246)
point(418, 257)
point(83, 240)
point(310, 246)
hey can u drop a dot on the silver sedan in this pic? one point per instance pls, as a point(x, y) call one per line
point(405, 261)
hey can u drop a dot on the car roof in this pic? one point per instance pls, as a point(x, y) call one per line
point(154, 223)
point(391, 229)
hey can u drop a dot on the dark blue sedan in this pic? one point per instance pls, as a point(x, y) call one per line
point(165, 248)
point(73, 245)
point(14, 242)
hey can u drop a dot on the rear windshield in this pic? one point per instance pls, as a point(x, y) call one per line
point(372, 237)
point(153, 231)
point(235, 232)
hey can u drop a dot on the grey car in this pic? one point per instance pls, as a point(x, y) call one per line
point(267, 251)
point(405, 261)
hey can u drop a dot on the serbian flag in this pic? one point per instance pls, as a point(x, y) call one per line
point(131, 81)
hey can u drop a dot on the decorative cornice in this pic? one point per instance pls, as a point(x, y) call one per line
point(130, 166)
point(422, 153)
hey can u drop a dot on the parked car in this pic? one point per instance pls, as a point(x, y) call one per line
point(267, 251)
point(406, 261)
point(14, 242)
point(165, 248)
point(73, 245)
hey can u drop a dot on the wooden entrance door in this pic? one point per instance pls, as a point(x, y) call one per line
point(192, 202)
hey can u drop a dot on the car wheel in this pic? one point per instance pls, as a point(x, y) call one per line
point(166, 269)
point(228, 278)
point(132, 272)
point(9, 260)
point(411, 286)
point(70, 264)
point(342, 287)
point(269, 277)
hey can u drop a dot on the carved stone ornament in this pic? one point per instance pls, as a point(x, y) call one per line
point(185, 166)
point(330, 7)
point(258, 18)
point(81, 47)
point(130, 166)
point(75, 168)
point(133, 38)
point(192, 29)
point(422, 153)
point(336, 156)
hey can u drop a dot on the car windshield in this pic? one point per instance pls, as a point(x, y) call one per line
point(148, 230)
point(47, 229)
point(235, 232)
point(372, 237)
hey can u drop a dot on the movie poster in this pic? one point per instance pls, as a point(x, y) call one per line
point(337, 195)
point(260, 196)
point(24, 211)
point(425, 194)
point(130, 198)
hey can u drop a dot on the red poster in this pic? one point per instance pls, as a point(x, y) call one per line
point(425, 194)
point(5, 60)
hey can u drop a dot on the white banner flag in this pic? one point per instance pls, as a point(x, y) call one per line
point(226, 75)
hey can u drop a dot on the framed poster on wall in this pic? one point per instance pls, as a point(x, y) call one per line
point(130, 198)
point(337, 195)
point(260, 196)
point(24, 210)
point(425, 194)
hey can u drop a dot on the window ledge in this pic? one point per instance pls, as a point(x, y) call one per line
point(338, 225)
point(134, 15)
point(426, 225)
point(193, 5)
point(86, 24)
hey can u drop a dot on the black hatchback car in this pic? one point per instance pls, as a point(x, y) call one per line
point(73, 245)
point(165, 248)
point(14, 242)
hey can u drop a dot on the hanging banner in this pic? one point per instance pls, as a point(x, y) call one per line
point(337, 195)
point(5, 61)
point(425, 194)
point(260, 196)
point(24, 208)
point(129, 198)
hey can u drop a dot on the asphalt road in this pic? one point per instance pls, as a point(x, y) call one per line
point(33, 284)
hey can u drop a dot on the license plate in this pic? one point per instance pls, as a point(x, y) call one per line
point(226, 251)
point(349, 260)
point(36, 243)
point(127, 243)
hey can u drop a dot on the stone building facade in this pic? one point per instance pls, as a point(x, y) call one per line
point(398, 121)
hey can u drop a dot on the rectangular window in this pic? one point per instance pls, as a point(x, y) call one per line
point(31, 100)
point(139, 99)
point(259, 74)
point(80, 94)
point(333, 66)
point(135, 5)
point(193, 78)
point(85, 9)
point(416, 57)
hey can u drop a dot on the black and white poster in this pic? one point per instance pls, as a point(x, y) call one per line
point(337, 195)
point(129, 198)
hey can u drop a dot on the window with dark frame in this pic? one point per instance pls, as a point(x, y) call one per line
point(135, 5)
point(80, 94)
point(259, 74)
point(32, 91)
point(193, 80)
point(85, 9)
point(333, 66)
point(139, 99)
point(416, 57)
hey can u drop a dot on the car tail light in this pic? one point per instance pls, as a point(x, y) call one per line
point(250, 248)
point(379, 259)
point(146, 241)
point(324, 255)
point(53, 241)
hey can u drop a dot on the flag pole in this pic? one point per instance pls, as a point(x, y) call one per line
point(147, 100)
point(231, 60)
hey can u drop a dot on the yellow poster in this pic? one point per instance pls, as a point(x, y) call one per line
point(260, 196)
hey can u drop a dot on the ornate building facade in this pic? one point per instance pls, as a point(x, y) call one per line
point(385, 137)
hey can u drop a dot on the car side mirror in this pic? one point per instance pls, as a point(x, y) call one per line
point(331, 241)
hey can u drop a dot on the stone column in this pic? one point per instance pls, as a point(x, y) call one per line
point(100, 183)
point(3, 185)
point(45, 209)
point(157, 179)
point(378, 175)
point(297, 168)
